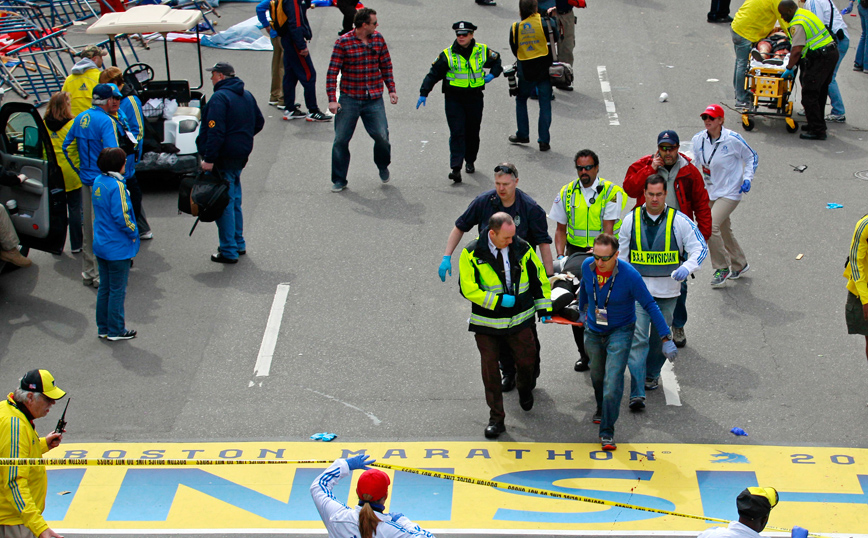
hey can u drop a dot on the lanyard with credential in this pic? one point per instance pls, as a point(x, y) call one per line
point(708, 161)
point(611, 285)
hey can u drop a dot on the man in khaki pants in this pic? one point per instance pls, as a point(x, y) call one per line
point(276, 96)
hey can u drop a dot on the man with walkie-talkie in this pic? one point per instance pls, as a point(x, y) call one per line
point(23, 488)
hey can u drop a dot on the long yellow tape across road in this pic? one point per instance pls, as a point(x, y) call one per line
point(102, 462)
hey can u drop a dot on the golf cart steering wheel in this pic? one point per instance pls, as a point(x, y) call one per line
point(138, 75)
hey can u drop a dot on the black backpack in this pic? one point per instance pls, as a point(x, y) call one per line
point(204, 196)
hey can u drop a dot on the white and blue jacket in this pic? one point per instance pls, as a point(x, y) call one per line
point(341, 521)
point(730, 160)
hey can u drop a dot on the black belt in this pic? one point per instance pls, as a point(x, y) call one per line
point(824, 50)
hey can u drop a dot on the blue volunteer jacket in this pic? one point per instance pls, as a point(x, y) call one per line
point(115, 233)
point(629, 289)
point(91, 131)
point(230, 121)
point(131, 109)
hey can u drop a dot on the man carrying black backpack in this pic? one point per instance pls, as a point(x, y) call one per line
point(229, 122)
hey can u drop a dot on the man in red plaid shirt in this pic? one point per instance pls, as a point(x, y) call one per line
point(363, 59)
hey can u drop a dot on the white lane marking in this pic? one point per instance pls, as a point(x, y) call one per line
point(607, 95)
point(272, 328)
point(371, 416)
point(501, 532)
point(671, 390)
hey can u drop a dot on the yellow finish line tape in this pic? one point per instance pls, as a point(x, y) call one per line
point(78, 462)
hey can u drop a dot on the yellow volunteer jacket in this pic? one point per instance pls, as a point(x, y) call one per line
point(856, 270)
point(755, 19)
point(482, 283)
point(80, 89)
point(70, 178)
point(24, 488)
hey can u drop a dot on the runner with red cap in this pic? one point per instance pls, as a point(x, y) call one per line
point(367, 519)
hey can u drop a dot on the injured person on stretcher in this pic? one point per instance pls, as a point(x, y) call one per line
point(772, 50)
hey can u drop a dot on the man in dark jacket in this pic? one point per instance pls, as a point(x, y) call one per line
point(528, 40)
point(230, 121)
point(460, 67)
point(297, 64)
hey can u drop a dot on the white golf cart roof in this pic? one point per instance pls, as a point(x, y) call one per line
point(145, 20)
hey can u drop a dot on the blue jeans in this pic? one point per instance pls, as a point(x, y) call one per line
point(230, 225)
point(544, 90)
point(862, 49)
point(679, 318)
point(73, 209)
point(834, 92)
point(113, 275)
point(608, 352)
point(646, 352)
point(373, 114)
point(742, 51)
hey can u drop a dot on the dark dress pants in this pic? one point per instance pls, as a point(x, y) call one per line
point(523, 347)
point(818, 69)
point(348, 8)
point(719, 9)
point(578, 332)
point(464, 117)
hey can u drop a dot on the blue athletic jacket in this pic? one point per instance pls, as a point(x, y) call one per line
point(296, 22)
point(115, 234)
point(91, 131)
point(131, 109)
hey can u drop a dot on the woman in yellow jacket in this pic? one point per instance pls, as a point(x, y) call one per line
point(58, 120)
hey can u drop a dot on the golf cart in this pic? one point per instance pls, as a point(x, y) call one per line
point(37, 207)
point(172, 109)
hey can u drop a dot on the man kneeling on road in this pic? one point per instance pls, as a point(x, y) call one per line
point(609, 315)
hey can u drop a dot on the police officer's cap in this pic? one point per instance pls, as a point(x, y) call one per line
point(464, 27)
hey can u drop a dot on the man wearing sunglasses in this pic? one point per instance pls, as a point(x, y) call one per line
point(665, 247)
point(584, 209)
point(530, 225)
point(685, 191)
point(607, 306)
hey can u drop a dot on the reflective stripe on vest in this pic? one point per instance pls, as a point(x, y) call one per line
point(503, 323)
point(658, 259)
point(815, 31)
point(584, 226)
point(530, 38)
point(464, 74)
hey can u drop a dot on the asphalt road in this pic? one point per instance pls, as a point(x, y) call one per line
point(374, 347)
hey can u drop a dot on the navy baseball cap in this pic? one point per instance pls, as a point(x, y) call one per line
point(668, 136)
point(464, 27)
point(223, 68)
point(106, 91)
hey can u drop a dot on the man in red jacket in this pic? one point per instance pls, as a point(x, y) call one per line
point(685, 192)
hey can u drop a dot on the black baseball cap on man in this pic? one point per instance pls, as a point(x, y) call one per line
point(756, 503)
point(223, 68)
point(41, 381)
point(464, 27)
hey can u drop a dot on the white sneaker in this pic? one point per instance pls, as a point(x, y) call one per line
point(836, 118)
point(146, 236)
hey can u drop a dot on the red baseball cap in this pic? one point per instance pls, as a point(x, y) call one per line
point(715, 111)
point(373, 482)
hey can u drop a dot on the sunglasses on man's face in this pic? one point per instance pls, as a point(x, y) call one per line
point(587, 167)
point(603, 258)
point(667, 149)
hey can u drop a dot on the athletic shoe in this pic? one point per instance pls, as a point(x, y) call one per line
point(608, 443)
point(857, 67)
point(651, 383)
point(272, 103)
point(733, 275)
point(598, 416)
point(76, 250)
point(318, 115)
point(294, 114)
point(146, 236)
point(836, 118)
point(678, 336)
point(281, 106)
point(744, 106)
point(384, 175)
point(103, 336)
point(719, 278)
point(801, 112)
point(637, 403)
point(128, 334)
point(338, 187)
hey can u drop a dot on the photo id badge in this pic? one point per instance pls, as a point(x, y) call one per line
point(602, 317)
point(706, 175)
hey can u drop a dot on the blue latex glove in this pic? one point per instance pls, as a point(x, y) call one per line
point(508, 301)
point(738, 432)
point(745, 187)
point(789, 73)
point(360, 462)
point(546, 319)
point(799, 532)
point(844, 11)
point(421, 101)
point(669, 350)
point(398, 515)
point(272, 33)
point(680, 274)
point(561, 257)
point(488, 78)
point(583, 318)
point(445, 265)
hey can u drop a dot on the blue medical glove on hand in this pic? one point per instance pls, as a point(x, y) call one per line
point(799, 532)
point(789, 73)
point(680, 274)
point(273, 34)
point(545, 319)
point(421, 101)
point(396, 516)
point(508, 301)
point(745, 187)
point(445, 265)
point(583, 317)
point(360, 462)
point(669, 350)
point(488, 78)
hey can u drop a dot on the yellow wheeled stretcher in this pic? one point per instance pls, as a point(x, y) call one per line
point(771, 94)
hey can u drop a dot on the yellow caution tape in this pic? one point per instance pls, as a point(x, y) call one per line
point(25, 462)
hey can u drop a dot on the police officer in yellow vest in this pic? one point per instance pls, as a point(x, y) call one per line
point(461, 68)
point(816, 53)
point(506, 282)
point(584, 209)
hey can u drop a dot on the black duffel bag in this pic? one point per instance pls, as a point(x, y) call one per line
point(205, 196)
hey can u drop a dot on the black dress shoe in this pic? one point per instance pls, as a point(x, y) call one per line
point(455, 175)
point(486, 2)
point(494, 429)
point(811, 135)
point(725, 19)
point(525, 400)
point(507, 383)
point(582, 365)
point(544, 147)
point(220, 258)
point(242, 252)
point(469, 168)
point(516, 140)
